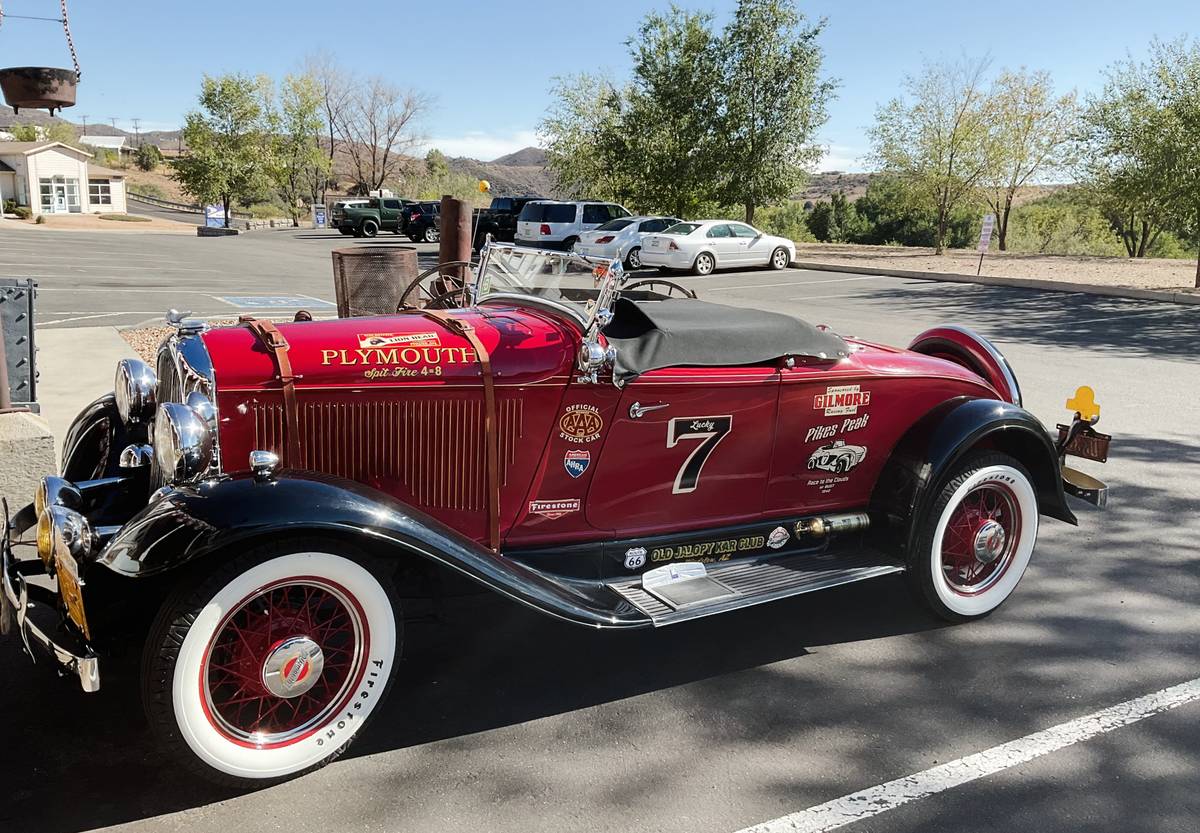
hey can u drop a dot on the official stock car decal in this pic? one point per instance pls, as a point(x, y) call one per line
point(395, 339)
point(553, 508)
point(837, 457)
point(576, 461)
point(580, 424)
point(841, 400)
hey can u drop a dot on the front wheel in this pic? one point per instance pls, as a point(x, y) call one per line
point(780, 259)
point(370, 228)
point(430, 235)
point(976, 539)
point(704, 264)
point(271, 666)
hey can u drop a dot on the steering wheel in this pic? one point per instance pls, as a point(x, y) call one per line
point(443, 290)
point(671, 289)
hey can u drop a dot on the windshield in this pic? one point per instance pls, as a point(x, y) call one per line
point(569, 281)
point(682, 228)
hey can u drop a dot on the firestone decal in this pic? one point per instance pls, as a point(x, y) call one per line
point(837, 457)
point(824, 432)
point(635, 558)
point(553, 508)
point(393, 339)
point(580, 424)
point(841, 400)
point(576, 461)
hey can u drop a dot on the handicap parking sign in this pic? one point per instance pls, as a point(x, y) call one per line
point(274, 301)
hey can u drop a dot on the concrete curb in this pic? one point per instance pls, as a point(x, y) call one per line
point(1167, 295)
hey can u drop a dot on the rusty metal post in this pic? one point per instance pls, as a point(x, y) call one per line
point(456, 234)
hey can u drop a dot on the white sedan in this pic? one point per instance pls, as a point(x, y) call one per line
point(621, 239)
point(705, 245)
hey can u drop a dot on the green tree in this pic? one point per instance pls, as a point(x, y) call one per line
point(938, 139)
point(229, 140)
point(436, 165)
point(149, 157)
point(773, 102)
point(300, 163)
point(1031, 130)
point(55, 131)
point(836, 221)
point(585, 139)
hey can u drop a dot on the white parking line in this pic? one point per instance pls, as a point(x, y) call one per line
point(803, 283)
point(871, 802)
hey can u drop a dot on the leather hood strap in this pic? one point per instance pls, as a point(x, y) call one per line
point(277, 346)
point(491, 428)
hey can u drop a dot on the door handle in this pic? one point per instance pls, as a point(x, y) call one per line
point(637, 410)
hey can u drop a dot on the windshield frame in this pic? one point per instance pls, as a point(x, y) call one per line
point(608, 284)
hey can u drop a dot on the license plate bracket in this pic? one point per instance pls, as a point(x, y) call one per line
point(1087, 443)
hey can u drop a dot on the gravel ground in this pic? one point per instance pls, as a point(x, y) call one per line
point(145, 340)
point(92, 222)
point(1146, 273)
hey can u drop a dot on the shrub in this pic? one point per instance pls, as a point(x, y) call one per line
point(149, 157)
point(41, 220)
point(23, 212)
point(787, 220)
point(148, 189)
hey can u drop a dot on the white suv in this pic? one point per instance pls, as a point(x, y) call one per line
point(548, 224)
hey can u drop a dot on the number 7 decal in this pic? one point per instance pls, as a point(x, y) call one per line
point(710, 429)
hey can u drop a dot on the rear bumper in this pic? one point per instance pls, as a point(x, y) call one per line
point(31, 610)
point(669, 259)
point(604, 251)
point(541, 243)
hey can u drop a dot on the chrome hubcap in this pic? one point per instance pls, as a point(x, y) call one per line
point(989, 542)
point(293, 667)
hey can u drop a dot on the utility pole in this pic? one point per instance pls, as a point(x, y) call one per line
point(137, 136)
point(113, 119)
point(84, 124)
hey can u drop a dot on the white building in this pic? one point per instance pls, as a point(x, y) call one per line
point(116, 143)
point(53, 178)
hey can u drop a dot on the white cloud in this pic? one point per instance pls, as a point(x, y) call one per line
point(842, 158)
point(480, 145)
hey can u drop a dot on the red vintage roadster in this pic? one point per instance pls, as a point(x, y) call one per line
point(615, 454)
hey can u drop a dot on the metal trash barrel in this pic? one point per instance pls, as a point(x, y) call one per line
point(369, 280)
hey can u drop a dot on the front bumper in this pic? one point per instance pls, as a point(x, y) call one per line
point(32, 610)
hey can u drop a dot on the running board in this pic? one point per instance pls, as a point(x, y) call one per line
point(756, 582)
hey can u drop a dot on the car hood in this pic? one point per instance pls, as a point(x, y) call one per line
point(409, 349)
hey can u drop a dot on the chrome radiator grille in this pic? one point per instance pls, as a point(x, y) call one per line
point(434, 448)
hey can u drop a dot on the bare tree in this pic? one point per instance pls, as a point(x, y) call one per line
point(336, 87)
point(1031, 130)
point(938, 140)
point(378, 130)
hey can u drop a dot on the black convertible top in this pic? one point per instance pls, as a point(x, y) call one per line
point(684, 333)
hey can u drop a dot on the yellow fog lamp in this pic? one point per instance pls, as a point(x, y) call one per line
point(71, 541)
point(51, 492)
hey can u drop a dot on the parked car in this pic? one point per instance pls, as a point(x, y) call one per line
point(706, 245)
point(548, 224)
point(374, 215)
point(424, 223)
point(250, 512)
point(337, 213)
point(499, 219)
point(621, 239)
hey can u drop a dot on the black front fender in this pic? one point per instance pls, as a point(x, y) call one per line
point(219, 518)
point(932, 447)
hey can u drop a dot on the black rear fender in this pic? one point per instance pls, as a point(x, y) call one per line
point(928, 453)
point(216, 520)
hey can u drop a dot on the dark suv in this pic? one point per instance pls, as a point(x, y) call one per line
point(424, 222)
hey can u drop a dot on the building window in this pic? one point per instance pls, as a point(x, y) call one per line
point(59, 194)
point(99, 192)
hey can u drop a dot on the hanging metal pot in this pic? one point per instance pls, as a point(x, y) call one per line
point(33, 87)
point(37, 87)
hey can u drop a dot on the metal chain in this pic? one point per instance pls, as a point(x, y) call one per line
point(70, 42)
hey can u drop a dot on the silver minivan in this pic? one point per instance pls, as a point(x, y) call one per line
point(551, 224)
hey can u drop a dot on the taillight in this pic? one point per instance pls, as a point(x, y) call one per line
point(672, 246)
point(608, 238)
point(545, 229)
point(415, 215)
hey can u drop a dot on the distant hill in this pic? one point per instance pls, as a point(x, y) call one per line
point(523, 158)
point(523, 172)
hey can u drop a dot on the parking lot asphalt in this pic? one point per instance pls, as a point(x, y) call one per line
point(502, 720)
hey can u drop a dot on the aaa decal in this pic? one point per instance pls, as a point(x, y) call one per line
point(394, 339)
point(576, 461)
point(580, 424)
point(841, 400)
point(553, 508)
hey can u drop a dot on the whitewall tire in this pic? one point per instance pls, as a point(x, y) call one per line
point(977, 538)
point(271, 666)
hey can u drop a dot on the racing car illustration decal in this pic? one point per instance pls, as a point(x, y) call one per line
point(837, 457)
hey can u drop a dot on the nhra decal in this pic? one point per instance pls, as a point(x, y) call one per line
point(635, 558)
point(576, 461)
point(392, 339)
point(553, 508)
point(580, 424)
point(841, 400)
point(837, 457)
point(824, 432)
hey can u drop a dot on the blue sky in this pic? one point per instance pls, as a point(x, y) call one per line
point(145, 59)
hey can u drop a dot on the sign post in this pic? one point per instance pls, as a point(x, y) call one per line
point(214, 215)
point(985, 238)
point(318, 216)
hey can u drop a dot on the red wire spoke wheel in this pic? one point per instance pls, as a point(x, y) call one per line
point(283, 660)
point(975, 542)
point(271, 664)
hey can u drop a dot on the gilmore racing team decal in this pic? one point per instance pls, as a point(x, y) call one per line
point(838, 457)
point(841, 399)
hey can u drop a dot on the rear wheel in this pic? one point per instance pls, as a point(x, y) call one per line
point(780, 259)
point(430, 235)
point(569, 243)
point(271, 666)
point(977, 538)
point(370, 228)
point(704, 265)
point(633, 260)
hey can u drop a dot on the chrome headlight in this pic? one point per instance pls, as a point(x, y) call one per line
point(62, 530)
point(183, 443)
point(135, 388)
